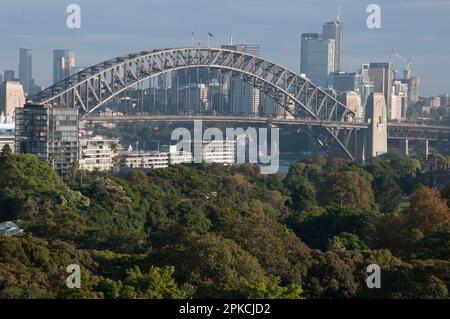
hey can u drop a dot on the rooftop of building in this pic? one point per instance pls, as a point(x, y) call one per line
point(99, 138)
point(9, 229)
point(144, 153)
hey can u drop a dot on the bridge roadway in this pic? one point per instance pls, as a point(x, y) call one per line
point(219, 118)
point(400, 131)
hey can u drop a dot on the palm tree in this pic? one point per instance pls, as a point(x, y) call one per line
point(115, 148)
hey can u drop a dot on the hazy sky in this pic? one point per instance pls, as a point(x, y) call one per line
point(416, 29)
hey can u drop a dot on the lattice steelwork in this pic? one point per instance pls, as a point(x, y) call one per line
point(418, 132)
point(94, 86)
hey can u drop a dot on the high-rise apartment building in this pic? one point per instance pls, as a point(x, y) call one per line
point(317, 58)
point(381, 74)
point(50, 133)
point(26, 70)
point(63, 64)
point(12, 96)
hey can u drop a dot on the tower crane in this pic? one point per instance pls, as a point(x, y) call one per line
point(408, 62)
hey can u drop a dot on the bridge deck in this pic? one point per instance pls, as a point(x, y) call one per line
point(402, 131)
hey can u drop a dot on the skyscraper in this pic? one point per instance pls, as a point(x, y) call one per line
point(252, 49)
point(413, 90)
point(63, 64)
point(400, 93)
point(244, 97)
point(353, 101)
point(26, 70)
point(381, 74)
point(333, 31)
point(345, 82)
point(317, 58)
point(9, 75)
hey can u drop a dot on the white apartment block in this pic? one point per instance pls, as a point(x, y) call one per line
point(98, 153)
point(178, 157)
point(155, 159)
point(7, 132)
point(223, 152)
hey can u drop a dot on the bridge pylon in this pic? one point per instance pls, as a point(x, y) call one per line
point(376, 114)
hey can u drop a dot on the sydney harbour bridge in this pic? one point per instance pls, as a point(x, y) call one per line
point(336, 127)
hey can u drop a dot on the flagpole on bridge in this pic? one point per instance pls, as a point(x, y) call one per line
point(210, 35)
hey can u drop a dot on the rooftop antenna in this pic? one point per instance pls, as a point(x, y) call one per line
point(338, 17)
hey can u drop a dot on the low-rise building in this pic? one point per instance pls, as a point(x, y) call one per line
point(177, 156)
point(223, 152)
point(99, 153)
point(153, 159)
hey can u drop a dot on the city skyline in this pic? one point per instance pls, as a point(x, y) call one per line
point(29, 26)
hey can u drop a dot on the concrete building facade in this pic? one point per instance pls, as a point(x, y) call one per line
point(353, 101)
point(376, 114)
point(12, 96)
point(99, 153)
point(381, 74)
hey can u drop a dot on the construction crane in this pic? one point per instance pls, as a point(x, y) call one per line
point(408, 62)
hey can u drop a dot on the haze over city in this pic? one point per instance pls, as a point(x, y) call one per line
point(414, 29)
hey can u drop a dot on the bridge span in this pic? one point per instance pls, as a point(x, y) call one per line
point(397, 131)
point(331, 123)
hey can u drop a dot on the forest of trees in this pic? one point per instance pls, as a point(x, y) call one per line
point(209, 231)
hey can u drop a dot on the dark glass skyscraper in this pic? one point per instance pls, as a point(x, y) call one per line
point(245, 99)
point(26, 70)
point(9, 75)
point(63, 64)
point(333, 31)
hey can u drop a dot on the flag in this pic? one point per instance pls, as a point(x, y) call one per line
point(210, 34)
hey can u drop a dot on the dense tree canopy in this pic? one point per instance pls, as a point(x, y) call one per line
point(209, 231)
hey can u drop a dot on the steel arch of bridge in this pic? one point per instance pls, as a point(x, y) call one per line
point(94, 86)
